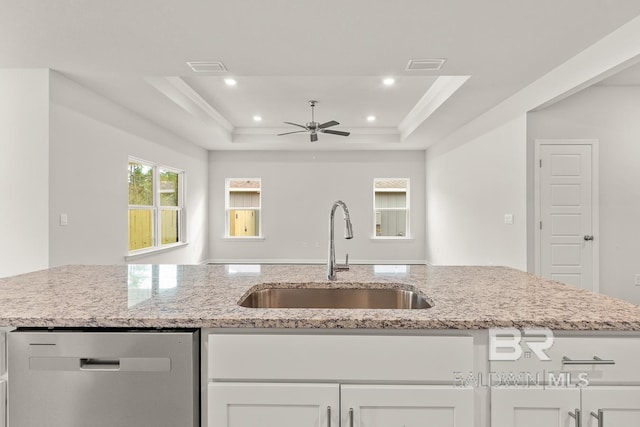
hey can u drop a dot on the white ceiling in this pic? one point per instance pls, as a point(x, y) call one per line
point(285, 52)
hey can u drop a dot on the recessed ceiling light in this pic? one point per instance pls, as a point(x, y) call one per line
point(230, 82)
point(388, 81)
point(371, 118)
point(257, 118)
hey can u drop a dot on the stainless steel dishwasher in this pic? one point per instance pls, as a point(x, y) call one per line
point(103, 378)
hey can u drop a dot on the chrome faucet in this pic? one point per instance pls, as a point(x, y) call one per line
point(332, 267)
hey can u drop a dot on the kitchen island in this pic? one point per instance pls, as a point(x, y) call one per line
point(207, 296)
point(353, 367)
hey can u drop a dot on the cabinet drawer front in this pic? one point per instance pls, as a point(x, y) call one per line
point(286, 357)
point(622, 351)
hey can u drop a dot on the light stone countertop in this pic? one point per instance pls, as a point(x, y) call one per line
point(206, 296)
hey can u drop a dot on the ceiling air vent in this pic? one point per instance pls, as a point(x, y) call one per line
point(425, 64)
point(207, 66)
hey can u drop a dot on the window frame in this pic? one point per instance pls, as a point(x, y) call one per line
point(228, 208)
point(157, 208)
point(407, 208)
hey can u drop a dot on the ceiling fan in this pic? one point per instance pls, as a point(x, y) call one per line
point(314, 127)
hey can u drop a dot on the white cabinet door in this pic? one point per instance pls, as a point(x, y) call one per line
point(620, 406)
point(273, 405)
point(408, 406)
point(534, 407)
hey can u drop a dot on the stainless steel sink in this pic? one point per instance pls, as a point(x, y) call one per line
point(311, 296)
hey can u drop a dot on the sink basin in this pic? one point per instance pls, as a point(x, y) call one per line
point(321, 296)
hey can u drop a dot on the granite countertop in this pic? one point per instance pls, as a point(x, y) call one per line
point(206, 296)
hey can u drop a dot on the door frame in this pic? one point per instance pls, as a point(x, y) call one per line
point(595, 202)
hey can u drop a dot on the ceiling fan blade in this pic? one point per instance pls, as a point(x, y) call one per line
point(295, 124)
point(335, 132)
point(314, 137)
point(287, 133)
point(328, 124)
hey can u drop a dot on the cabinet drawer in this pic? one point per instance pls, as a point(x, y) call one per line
point(286, 357)
point(622, 351)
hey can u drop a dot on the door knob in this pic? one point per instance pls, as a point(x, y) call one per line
point(588, 237)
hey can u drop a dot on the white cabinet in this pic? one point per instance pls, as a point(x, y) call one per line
point(619, 406)
point(409, 406)
point(533, 407)
point(326, 405)
point(606, 367)
point(281, 405)
point(319, 380)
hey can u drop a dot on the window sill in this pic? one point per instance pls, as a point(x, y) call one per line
point(404, 239)
point(152, 251)
point(243, 238)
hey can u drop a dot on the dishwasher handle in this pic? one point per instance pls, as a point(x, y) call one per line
point(94, 364)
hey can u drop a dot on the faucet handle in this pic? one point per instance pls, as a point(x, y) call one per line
point(345, 266)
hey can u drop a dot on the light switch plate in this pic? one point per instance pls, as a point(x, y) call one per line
point(508, 219)
point(637, 281)
point(64, 219)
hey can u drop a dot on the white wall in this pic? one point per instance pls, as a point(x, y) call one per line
point(298, 189)
point(91, 139)
point(470, 188)
point(611, 115)
point(24, 163)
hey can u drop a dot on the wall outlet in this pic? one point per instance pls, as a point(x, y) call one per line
point(637, 281)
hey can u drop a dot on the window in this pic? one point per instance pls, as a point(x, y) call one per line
point(391, 207)
point(242, 207)
point(155, 205)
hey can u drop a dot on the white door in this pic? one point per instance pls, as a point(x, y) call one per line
point(534, 407)
point(616, 406)
point(566, 206)
point(273, 405)
point(406, 406)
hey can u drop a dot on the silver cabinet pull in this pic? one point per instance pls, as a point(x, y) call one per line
point(588, 237)
point(350, 417)
point(329, 416)
point(576, 416)
point(595, 361)
point(599, 416)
